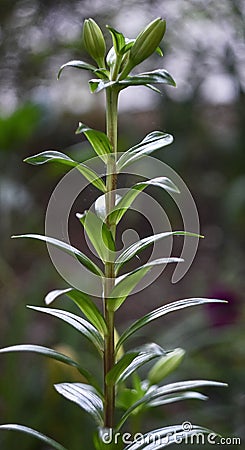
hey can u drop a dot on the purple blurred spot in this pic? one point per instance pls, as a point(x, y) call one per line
point(223, 314)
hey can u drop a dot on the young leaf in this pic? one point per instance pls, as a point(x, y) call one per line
point(131, 361)
point(84, 396)
point(97, 139)
point(142, 244)
point(126, 201)
point(77, 64)
point(98, 233)
point(86, 305)
point(88, 263)
point(80, 324)
point(34, 433)
point(152, 142)
point(159, 312)
point(126, 283)
point(53, 156)
point(168, 389)
point(117, 38)
point(54, 355)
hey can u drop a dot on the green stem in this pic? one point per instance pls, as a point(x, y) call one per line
point(111, 184)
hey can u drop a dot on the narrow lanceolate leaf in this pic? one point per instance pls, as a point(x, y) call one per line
point(172, 398)
point(86, 305)
point(44, 351)
point(41, 437)
point(131, 361)
point(61, 158)
point(168, 389)
point(97, 139)
point(84, 396)
point(88, 263)
point(152, 142)
point(142, 244)
point(126, 201)
point(117, 38)
point(98, 233)
point(163, 437)
point(78, 65)
point(77, 322)
point(126, 283)
point(159, 76)
point(143, 79)
point(159, 312)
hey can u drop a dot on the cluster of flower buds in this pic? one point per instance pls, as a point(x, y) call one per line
point(144, 45)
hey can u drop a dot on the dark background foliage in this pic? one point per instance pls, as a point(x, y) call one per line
point(203, 50)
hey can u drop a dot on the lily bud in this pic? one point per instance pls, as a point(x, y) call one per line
point(145, 44)
point(94, 41)
point(165, 366)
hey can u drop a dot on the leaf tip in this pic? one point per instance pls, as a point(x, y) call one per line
point(79, 216)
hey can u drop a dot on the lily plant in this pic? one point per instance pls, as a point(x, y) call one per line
point(123, 394)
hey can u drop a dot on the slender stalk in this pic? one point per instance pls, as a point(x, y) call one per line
point(111, 184)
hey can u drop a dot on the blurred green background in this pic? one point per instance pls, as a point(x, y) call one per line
point(204, 51)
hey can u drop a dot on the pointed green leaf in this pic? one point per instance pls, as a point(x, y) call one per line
point(54, 355)
point(86, 305)
point(159, 76)
point(159, 51)
point(172, 398)
point(84, 396)
point(42, 351)
point(77, 64)
point(168, 389)
point(98, 233)
point(88, 263)
point(126, 201)
point(159, 312)
point(152, 142)
point(117, 38)
point(34, 433)
point(163, 437)
point(97, 139)
point(126, 283)
point(77, 322)
point(131, 361)
point(53, 156)
point(142, 244)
